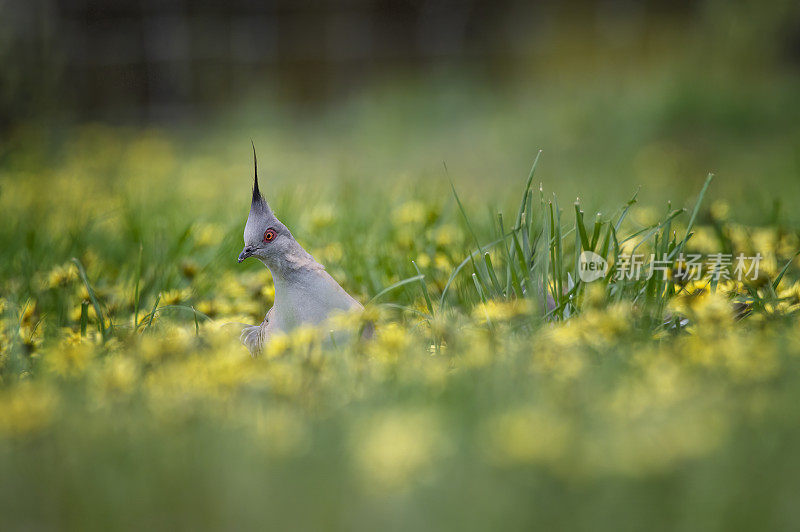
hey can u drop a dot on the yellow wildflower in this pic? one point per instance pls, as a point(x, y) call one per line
point(411, 213)
point(392, 449)
point(527, 435)
point(26, 409)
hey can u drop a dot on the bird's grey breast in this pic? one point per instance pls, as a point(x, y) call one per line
point(308, 298)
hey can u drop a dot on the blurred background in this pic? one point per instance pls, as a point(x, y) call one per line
point(654, 93)
point(145, 60)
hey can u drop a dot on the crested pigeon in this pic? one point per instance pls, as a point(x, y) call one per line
point(305, 294)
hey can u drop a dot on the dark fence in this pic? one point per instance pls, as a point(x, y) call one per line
point(146, 59)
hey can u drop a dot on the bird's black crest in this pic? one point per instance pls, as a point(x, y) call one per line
point(257, 197)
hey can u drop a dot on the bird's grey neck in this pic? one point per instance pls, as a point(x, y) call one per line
point(295, 262)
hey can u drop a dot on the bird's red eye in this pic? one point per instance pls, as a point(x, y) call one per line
point(269, 235)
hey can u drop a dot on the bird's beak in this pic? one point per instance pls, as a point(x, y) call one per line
point(246, 252)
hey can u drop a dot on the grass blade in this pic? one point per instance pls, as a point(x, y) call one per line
point(584, 236)
point(84, 317)
point(492, 276)
point(528, 183)
point(424, 289)
point(692, 218)
point(153, 312)
point(598, 225)
point(396, 285)
point(626, 209)
point(92, 296)
point(777, 280)
point(458, 269)
point(136, 294)
point(464, 213)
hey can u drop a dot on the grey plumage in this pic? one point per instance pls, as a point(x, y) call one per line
point(305, 294)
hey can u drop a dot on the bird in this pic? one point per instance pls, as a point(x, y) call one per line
point(305, 293)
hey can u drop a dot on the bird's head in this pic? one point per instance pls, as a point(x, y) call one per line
point(265, 237)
